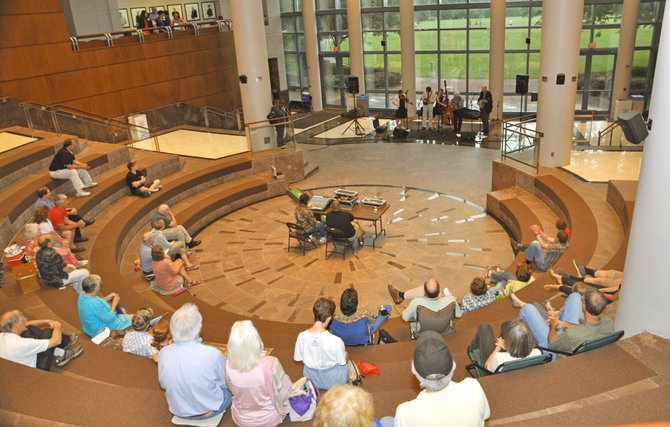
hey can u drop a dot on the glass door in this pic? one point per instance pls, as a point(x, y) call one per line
point(596, 78)
point(334, 72)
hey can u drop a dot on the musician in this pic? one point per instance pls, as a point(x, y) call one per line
point(400, 101)
point(458, 104)
point(428, 99)
point(440, 106)
point(485, 102)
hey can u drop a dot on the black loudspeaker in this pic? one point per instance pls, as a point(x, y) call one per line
point(400, 133)
point(352, 84)
point(522, 84)
point(633, 126)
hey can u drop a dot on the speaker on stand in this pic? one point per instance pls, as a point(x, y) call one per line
point(521, 89)
point(352, 88)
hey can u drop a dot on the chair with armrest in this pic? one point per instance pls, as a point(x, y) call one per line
point(590, 344)
point(298, 233)
point(359, 332)
point(477, 369)
point(339, 241)
point(441, 321)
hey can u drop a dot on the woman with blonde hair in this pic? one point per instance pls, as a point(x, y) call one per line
point(259, 385)
point(346, 405)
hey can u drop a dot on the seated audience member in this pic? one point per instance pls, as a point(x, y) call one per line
point(44, 196)
point(161, 334)
point(53, 270)
point(515, 342)
point(169, 276)
point(606, 281)
point(344, 221)
point(96, 313)
point(136, 181)
point(346, 405)
point(68, 257)
point(65, 166)
point(163, 20)
point(543, 254)
point(177, 19)
point(259, 385)
point(462, 404)
point(480, 295)
point(41, 218)
point(560, 226)
point(31, 232)
point(427, 296)
point(349, 312)
point(173, 230)
point(145, 256)
point(138, 341)
point(59, 218)
point(578, 321)
point(192, 374)
point(321, 352)
point(175, 249)
point(512, 282)
point(305, 218)
point(23, 341)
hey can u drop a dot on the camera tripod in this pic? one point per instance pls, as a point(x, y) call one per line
point(359, 130)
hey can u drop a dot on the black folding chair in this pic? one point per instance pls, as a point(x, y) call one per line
point(298, 233)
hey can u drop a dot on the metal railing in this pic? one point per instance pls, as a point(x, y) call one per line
point(79, 42)
point(587, 117)
point(270, 133)
point(210, 112)
point(519, 138)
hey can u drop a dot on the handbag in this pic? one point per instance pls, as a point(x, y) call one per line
point(303, 400)
point(354, 376)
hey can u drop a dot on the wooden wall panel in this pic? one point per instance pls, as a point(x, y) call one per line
point(128, 77)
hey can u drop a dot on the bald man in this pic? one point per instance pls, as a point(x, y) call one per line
point(428, 296)
point(173, 230)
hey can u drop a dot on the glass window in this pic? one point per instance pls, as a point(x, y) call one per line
point(289, 43)
point(452, 1)
point(372, 21)
point(480, 18)
point(372, 41)
point(425, 40)
point(606, 37)
point(394, 72)
point(638, 82)
point(644, 35)
point(454, 18)
point(372, 3)
point(326, 43)
point(480, 40)
point(425, 19)
point(288, 24)
point(325, 4)
point(453, 40)
point(453, 68)
point(607, 13)
point(515, 38)
point(286, 6)
point(516, 17)
point(478, 71)
point(392, 20)
point(326, 23)
point(375, 74)
point(426, 70)
point(392, 2)
point(393, 41)
point(648, 12)
point(292, 70)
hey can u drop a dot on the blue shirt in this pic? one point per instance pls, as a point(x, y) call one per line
point(193, 377)
point(43, 202)
point(95, 314)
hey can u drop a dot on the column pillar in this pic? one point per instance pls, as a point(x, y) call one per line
point(497, 58)
point(644, 294)
point(252, 61)
point(312, 53)
point(356, 42)
point(623, 69)
point(407, 53)
point(559, 55)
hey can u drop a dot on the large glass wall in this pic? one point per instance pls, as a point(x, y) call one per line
point(294, 47)
point(452, 44)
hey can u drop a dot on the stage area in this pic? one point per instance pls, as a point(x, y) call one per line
point(346, 130)
point(602, 166)
point(10, 140)
point(196, 144)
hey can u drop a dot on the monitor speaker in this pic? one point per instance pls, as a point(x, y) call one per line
point(633, 126)
point(352, 84)
point(400, 133)
point(522, 84)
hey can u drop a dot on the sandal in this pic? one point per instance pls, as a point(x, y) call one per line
point(192, 267)
point(193, 283)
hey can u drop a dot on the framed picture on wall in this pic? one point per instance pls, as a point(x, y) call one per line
point(124, 18)
point(159, 7)
point(135, 14)
point(208, 10)
point(172, 8)
point(192, 11)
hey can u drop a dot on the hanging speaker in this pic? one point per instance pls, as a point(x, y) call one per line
point(352, 84)
point(522, 84)
point(633, 126)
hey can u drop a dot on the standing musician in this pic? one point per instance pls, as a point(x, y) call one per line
point(400, 101)
point(440, 106)
point(485, 102)
point(428, 98)
point(457, 104)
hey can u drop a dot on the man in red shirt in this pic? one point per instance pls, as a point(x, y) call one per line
point(61, 222)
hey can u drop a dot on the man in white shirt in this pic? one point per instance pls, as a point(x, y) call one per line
point(428, 98)
point(21, 341)
point(442, 401)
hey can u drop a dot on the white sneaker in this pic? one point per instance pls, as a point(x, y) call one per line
point(91, 185)
point(323, 240)
point(80, 264)
point(83, 194)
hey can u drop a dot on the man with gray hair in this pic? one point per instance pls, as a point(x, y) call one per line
point(442, 400)
point(192, 373)
point(22, 341)
point(175, 249)
point(173, 230)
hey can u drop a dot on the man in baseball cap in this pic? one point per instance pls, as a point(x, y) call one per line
point(442, 401)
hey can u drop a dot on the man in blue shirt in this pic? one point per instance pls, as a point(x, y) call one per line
point(192, 373)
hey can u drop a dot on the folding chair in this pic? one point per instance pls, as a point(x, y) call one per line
point(359, 332)
point(340, 242)
point(441, 321)
point(476, 368)
point(590, 344)
point(298, 233)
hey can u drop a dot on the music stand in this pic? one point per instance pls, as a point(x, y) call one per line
point(359, 130)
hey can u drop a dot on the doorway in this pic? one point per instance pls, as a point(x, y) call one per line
point(595, 82)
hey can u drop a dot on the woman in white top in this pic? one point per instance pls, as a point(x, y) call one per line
point(518, 343)
point(41, 218)
point(259, 385)
point(322, 352)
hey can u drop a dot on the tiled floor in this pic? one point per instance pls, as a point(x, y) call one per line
point(196, 144)
point(601, 166)
point(10, 140)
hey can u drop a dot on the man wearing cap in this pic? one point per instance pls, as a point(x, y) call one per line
point(61, 222)
point(430, 299)
point(442, 401)
point(136, 181)
point(139, 341)
point(65, 166)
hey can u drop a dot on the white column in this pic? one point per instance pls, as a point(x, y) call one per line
point(559, 55)
point(645, 292)
point(252, 61)
point(356, 42)
point(623, 69)
point(407, 53)
point(312, 53)
point(497, 58)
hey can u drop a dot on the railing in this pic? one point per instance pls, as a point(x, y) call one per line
point(519, 138)
point(270, 133)
point(586, 117)
point(609, 130)
point(213, 113)
point(169, 31)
